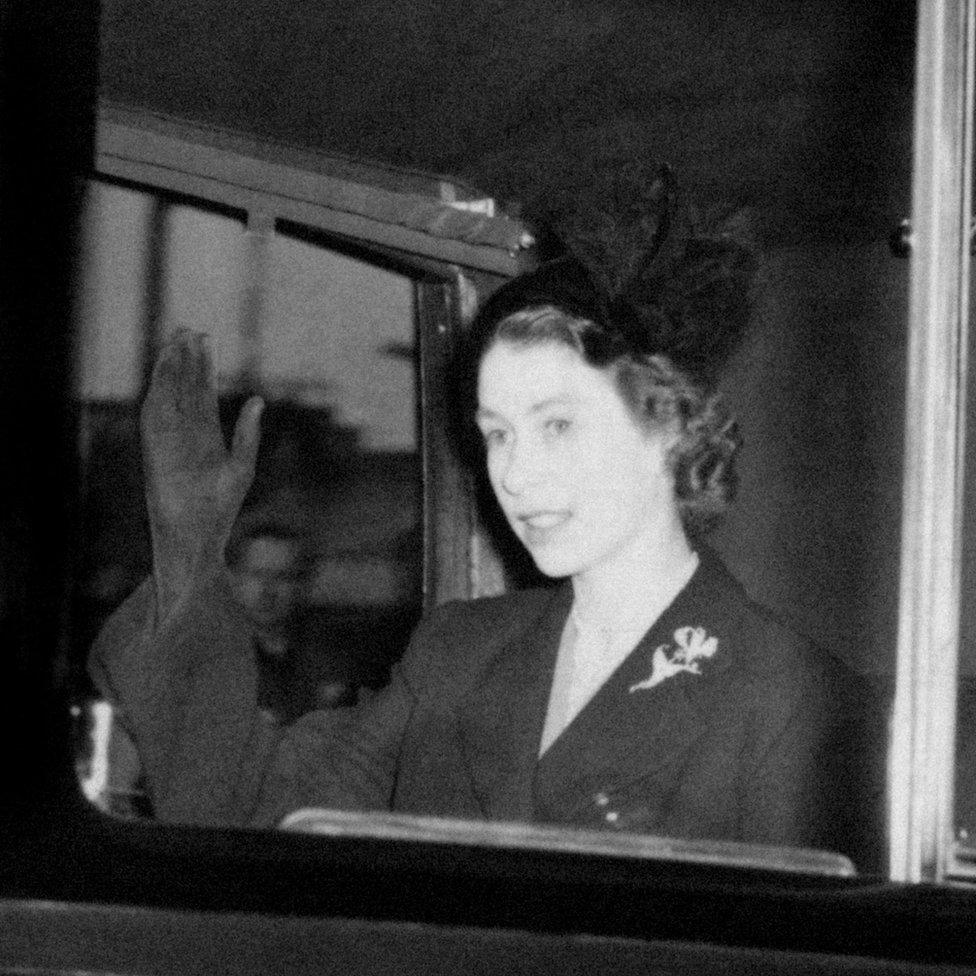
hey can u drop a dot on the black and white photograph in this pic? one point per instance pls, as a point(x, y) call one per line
point(487, 487)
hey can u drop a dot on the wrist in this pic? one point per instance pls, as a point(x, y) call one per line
point(177, 581)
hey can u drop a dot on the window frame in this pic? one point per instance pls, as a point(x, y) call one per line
point(441, 233)
point(921, 755)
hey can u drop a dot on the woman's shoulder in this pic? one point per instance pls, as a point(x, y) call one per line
point(770, 654)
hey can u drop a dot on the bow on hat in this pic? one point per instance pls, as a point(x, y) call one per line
point(648, 264)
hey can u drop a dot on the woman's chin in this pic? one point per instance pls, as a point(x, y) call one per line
point(553, 565)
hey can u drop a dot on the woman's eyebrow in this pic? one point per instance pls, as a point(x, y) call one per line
point(556, 401)
point(483, 413)
point(486, 413)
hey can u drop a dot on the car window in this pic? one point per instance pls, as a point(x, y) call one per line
point(326, 556)
point(817, 388)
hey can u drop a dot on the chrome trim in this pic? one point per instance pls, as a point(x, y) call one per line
point(414, 213)
point(530, 837)
point(920, 765)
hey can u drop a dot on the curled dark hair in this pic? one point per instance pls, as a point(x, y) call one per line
point(658, 395)
point(702, 458)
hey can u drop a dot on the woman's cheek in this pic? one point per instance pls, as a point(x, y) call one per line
point(495, 467)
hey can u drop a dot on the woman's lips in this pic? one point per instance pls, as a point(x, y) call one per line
point(539, 527)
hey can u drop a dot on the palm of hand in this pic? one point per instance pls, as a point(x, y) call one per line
point(194, 484)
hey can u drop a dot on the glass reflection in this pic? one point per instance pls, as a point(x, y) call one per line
point(326, 553)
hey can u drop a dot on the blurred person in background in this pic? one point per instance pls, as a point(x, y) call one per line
point(270, 567)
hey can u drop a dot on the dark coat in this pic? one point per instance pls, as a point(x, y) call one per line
point(744, 749)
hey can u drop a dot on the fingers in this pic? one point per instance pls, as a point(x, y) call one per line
point(174, 367)
point(207, 362)
point(198, 363)
point(169, 362)
point(247, 435)
point(197, 374)
point(182, 398)
point(185, 369)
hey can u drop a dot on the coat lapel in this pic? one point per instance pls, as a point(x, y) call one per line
point(500, 721)
point(622, 735)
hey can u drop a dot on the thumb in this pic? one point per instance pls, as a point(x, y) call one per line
point(247, 435)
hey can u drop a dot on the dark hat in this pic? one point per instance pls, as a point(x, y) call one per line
point(562, 282)
point(654, 270)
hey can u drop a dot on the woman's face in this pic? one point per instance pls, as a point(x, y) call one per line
point(580, 483)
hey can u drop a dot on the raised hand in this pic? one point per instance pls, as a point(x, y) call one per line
point(194, 485)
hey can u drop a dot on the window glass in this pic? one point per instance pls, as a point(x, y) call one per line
point(326, 554)
point(112, 300)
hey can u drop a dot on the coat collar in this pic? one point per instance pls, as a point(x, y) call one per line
point(619, 733)
point(623, 734)
point(501, 718)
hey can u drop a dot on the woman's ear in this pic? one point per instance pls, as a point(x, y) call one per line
point(665, 444)
point(667, 435)
point(659, 445)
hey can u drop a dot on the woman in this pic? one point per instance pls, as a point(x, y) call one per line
point(646, 693)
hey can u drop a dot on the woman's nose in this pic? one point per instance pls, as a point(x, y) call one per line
point(521, 469)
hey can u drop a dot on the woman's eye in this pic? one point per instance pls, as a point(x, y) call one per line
point(557, 425)
point(493, 437)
